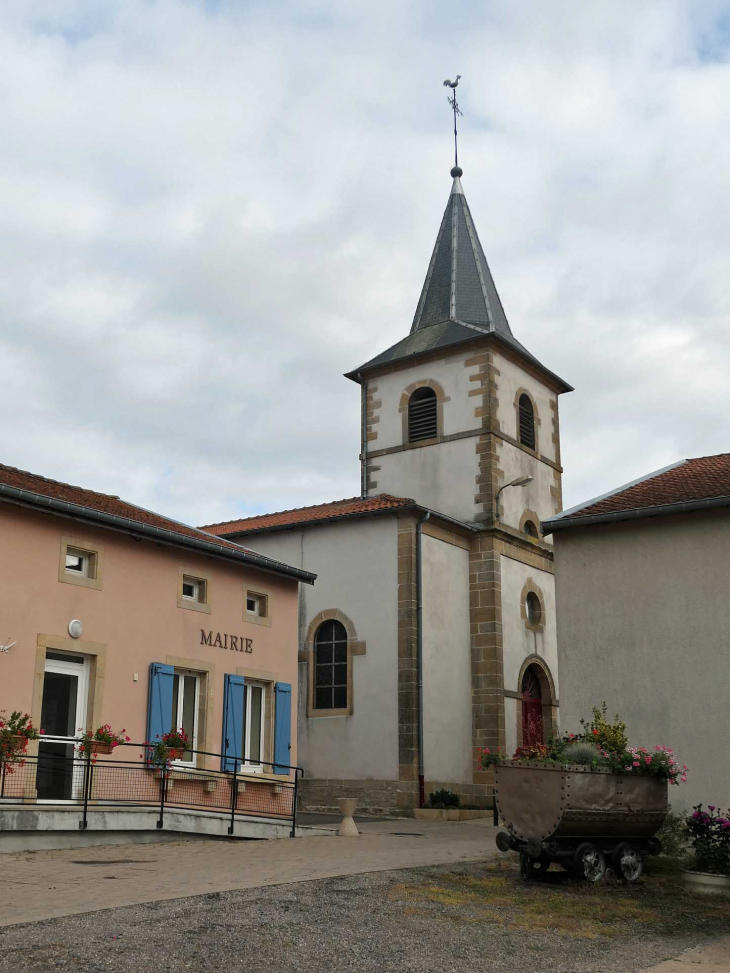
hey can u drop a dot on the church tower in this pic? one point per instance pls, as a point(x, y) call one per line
point(459, 408)
point(460, 417)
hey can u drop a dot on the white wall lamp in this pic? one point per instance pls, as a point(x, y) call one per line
point(7, 646)
point(520, 481)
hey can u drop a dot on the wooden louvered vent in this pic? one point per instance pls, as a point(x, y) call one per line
point(422, 415)
point(527, 422)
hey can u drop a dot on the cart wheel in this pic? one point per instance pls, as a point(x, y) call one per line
point(533, 868)
point(628, 862)
point(589, 863)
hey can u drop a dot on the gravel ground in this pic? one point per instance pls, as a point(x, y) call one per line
point(476, 917)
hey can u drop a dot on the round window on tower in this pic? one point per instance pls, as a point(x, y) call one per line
point(533, 608)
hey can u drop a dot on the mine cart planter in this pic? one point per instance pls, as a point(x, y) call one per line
point(585, 820)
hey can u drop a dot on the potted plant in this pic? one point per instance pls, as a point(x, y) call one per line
point(101, 740)
point(709, 832)
point(15, 732)
point(170, 746)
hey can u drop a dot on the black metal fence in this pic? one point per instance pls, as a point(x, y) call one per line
point(59, 774)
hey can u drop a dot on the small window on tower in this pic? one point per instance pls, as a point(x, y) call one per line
point(526, 422)
point(530, 528)
point(422, 415)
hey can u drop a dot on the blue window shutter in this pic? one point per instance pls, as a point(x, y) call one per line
point(233, 718)
point(159, 704)
point(282, 728)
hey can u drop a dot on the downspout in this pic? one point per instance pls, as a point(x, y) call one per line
point(363, 436)
point(419, 655)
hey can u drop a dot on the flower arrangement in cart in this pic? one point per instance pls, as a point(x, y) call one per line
point(602, 744)
point(16, 731)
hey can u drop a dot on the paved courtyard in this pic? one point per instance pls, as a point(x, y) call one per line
point(404, 896)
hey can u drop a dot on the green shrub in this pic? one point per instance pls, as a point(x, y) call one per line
point(607, 735)
point(674, 836)
point(581, 752)
point(443, 799)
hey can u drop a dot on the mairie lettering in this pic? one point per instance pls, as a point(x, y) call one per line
point(222, 640)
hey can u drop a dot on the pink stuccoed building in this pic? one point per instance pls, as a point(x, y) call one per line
point(114, 614)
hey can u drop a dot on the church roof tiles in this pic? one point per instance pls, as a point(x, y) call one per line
point(307, 515)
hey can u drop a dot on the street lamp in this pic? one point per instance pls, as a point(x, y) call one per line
point(520, 481)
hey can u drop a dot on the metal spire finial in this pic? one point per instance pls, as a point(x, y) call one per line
point(456, 171)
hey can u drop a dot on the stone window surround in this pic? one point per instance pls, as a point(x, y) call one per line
point(536, 416)
point(195, 606)
point(87, 547)
point(530, 587)
point(354, 647)
point(530, 515)
point(405, 398)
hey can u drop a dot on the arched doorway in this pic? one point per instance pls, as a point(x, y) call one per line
point(533, 730)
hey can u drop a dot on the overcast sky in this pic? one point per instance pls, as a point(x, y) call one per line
point(210, 211)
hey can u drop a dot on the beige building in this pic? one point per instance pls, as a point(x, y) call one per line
point(431, 630)
point(644, 615)
point(112, 614)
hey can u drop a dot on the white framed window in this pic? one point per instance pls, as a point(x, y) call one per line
point(193, 589)
point(256, 604)
point(185, 709)
point(82, 563)
point(254, 740)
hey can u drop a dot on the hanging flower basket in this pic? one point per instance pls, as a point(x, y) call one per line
point(174, 754)
point(99, 746)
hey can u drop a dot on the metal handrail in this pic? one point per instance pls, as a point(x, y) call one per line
point(168, 772)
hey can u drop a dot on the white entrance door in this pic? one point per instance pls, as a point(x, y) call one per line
point(63, 716)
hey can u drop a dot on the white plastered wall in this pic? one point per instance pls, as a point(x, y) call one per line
point(446, 663)
point(356, 566)
point(442, 477)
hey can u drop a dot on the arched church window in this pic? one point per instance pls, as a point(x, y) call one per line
point(422, 415)
point(527, 422)
point(530, 529)
point(330, 666)
point(533, 608)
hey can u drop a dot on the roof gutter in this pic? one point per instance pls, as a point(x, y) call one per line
point(637, 513)
point(89, 514)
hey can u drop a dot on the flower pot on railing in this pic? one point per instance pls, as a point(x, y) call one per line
point(175, 754)
point(101, 746)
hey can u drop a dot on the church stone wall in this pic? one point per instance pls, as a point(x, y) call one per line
point(356, 563)
point(537, 496)
point(441, 477)
point(446, 664)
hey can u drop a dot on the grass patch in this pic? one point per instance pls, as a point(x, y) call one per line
point(657, 905)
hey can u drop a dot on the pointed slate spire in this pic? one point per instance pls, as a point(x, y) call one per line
point(459, 286)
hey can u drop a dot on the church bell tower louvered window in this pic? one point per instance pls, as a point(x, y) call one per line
point(527, 422)
point(422, 415)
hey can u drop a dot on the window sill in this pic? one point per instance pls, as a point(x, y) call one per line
point(193, 606)
point(313, 714)
point(264, 620)
point(81, 580)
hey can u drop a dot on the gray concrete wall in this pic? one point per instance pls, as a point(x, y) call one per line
point(446, 662)
point(357, 563)
point(644, 624)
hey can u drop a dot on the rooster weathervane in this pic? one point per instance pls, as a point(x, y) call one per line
point(457, 111)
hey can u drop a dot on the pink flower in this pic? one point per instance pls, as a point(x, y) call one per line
point(647, 760)
point(711, 807)
point(684, 779)
point(636, 763)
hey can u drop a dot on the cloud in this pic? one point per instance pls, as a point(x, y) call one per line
point(211, 211)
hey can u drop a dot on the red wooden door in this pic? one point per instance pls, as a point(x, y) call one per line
point(532, 728)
